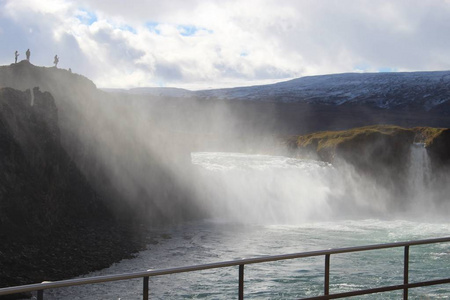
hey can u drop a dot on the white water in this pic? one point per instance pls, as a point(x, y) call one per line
point(419, 171)
point(265, 205)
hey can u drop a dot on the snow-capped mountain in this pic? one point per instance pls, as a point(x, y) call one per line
point(383, 90)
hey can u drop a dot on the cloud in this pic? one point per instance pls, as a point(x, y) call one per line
point(216, 43)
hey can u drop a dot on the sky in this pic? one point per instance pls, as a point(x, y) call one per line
point(197, 44)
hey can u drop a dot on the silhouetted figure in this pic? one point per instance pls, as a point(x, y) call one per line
point(56, 61)
point(28, 53)
point(70, 70)
point(16, 55)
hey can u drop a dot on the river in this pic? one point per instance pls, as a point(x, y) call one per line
point(268, 205)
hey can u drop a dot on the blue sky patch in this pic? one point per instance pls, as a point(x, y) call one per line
point(153, 27)
point(128, 28)
point(190, 30)
point(187, 30)
point(87, 17)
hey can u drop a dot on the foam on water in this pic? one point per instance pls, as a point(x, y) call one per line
point(269, 205)
point(262, 188)
point(280, 190)
point(224, 161)
point(210, 241)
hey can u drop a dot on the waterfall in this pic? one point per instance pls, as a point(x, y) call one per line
point(281, 190)
point(419, 173)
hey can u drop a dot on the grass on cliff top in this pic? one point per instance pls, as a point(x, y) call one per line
point(327, 139)
point(427, 134)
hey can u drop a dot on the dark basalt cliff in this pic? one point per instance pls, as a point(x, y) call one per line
point(439, 148)
point(53, 225)
point(127, 157)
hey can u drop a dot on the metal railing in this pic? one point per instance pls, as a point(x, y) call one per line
point(40, 287)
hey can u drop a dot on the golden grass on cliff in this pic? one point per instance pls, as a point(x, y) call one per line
point(329, 139)
point(426, 135)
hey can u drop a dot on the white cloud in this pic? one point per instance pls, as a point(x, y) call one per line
point(216, 43)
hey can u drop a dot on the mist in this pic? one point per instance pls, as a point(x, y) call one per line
point(281, 190)
point(138, 153)
point(136, 150)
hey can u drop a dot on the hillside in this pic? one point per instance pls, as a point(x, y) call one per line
point(331, 102)
point(422, 90)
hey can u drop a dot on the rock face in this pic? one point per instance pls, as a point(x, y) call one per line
point(379, 151)
point(127, 157)
point(79, 170)
point(31, 149)
point(53, 225)
point(439, 148)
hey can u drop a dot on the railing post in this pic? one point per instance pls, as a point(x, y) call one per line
point(145, 291)
point(40, 295)
point(241, 282)
point(326, 285)
point(406, 272)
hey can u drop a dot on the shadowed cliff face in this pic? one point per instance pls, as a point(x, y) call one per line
point(439, 149)
point(40, 184)
point(50, 216)
point(131, 160)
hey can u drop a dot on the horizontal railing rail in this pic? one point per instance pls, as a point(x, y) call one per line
point(40, 287)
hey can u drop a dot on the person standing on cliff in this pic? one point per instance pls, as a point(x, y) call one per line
point(56, 61)
point(28, 54)
point(16, 55)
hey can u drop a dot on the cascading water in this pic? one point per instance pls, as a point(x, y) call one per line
point(421, 188)
point(279, 190)
point(263, 189)
point(271, 205)
point(419, 173)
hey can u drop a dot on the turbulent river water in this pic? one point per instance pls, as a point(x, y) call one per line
point(270, 205)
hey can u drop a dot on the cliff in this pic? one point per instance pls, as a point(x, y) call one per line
point(53, 225)
point(81, 170)
point(129, 158)
point(381, 151)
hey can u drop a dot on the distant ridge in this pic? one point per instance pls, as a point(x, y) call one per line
point(154, 91)
point(384, 90)
point(418, 90)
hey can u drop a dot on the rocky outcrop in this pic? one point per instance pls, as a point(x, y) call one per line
point(381, 151)
point(53, 225)
point(126, 153)
point(439, 148)
point(31, 150)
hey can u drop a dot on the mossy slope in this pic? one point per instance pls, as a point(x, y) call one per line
point(375, 149)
